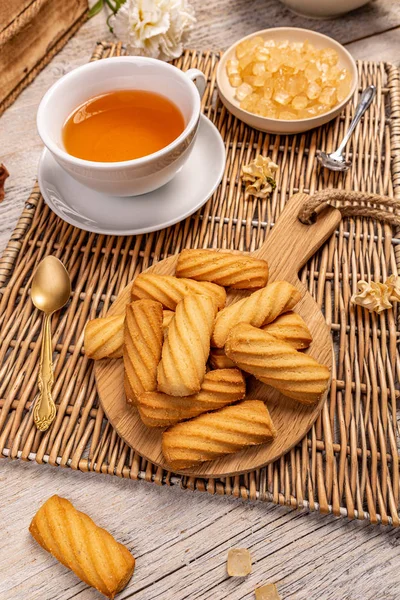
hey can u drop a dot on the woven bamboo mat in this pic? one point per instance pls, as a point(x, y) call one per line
point(349, 462)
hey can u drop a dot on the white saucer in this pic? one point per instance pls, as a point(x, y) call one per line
point(113, 215)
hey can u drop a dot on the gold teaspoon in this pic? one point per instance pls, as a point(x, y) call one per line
point(51, 288)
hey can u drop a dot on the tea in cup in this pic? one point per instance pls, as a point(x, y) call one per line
point(122, 125)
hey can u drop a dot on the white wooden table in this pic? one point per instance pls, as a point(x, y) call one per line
point(181, 539)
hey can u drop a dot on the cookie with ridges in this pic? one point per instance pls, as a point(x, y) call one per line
point(219, 388)
point(187, 346)
point(104, 337)
point(260, 308)
point(82, 546)
point(277, 363)
point(291, 328)
point(170, 290)
point(237, 271)
point(143, 338)
point(216, 434)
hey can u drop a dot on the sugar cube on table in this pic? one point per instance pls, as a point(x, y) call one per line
point(267, 592)
point(239, 562)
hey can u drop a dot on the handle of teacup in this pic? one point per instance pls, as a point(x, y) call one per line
point(199, 80)
point(291, 243)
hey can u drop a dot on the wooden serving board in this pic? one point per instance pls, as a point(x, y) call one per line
point(288, 247)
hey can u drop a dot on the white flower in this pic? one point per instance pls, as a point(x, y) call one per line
point(156, 28)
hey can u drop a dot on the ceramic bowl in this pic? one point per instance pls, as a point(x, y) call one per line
point(323, 9)
point(293, 34)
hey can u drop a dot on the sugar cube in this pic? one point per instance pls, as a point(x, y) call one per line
point(239, 562)
point(267, 592)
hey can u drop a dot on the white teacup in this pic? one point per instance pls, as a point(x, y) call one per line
point(131, 177)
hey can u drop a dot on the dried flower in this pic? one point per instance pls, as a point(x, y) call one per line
point(155, 28)
point(377, 297)
point(259, 175)
point(394, 282)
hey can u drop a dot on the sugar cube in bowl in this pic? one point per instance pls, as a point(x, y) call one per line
point(286, 80)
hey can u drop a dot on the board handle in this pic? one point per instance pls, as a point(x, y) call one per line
point(291, 243)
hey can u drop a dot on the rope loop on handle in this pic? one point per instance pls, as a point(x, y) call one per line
point(351, 204)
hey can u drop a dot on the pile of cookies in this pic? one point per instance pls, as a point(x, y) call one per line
point(186, 354)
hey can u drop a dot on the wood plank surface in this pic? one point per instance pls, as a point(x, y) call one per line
point(181, 539)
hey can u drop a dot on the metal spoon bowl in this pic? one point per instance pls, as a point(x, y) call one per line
point(51, 288)
point(336, 160)
point(333, 161)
